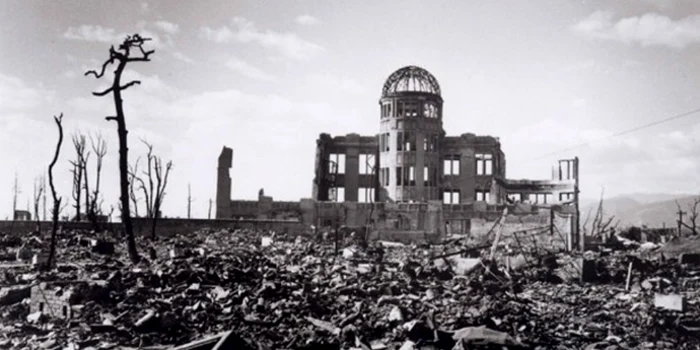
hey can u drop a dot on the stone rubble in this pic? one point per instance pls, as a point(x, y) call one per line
point(277, 292)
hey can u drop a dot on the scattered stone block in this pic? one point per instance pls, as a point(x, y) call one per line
point(690, 259)
point(25, 253)
point(463, 266)
point(102, 247)
point(266, 241)
point(589, 271)
point(40, 259)
point(674, 302)
point(13, 295)
point(348, 253)
point(514, 262)
point(176, 252)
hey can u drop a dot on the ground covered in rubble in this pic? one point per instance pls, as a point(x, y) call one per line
point(295, 292)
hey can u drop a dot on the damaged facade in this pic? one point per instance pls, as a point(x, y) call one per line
point(411, 175)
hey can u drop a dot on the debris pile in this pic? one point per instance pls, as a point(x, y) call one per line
point(276, 292)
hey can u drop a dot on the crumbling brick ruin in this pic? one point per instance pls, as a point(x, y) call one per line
point(411, 177)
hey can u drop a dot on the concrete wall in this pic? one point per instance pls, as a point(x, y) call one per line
point(164, 227)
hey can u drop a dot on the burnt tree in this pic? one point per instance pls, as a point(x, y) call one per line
point(131, 50)
point(189, 201)
point(78, 171)
point(133, 170)
point(39, 187)
point(154, 192)
point(693, 213)
point(94, 204)
point(209, 212)
point(15, 193)
point(56, 199)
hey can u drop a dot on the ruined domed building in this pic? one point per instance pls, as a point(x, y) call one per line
point(410, 176)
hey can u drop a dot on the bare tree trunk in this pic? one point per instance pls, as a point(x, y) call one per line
point(189, 201)
point(209, 213)
point(123, 56)
point(44, 198)
point(157, 181)
point(124, 167)
point(100, 149)
point(56, 200)
point(79, 173)
point(38, 190)
point(132, 186)
point(15, 194)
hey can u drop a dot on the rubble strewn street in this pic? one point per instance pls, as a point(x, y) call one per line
point(278, 292)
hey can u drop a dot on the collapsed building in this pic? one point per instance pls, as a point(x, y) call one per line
point(411, 176)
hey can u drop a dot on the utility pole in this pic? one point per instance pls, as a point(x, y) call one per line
point(579, 234)
point(680, 220)
point(209, 214)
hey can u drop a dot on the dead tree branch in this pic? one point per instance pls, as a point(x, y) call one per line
point(56, 199)
point(121, 56)
point(153, 187)
point(94, 209)
point(79, 169)
point(39, 187)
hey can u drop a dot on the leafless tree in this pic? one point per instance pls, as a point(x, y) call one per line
point(133, 196)
point(94, 204)
point(601, 225)
point(693, 213)
point(15, 193)
point(39, 187)
point(154, 191)
point(56, 200)
point(133, 44)
point(44, 200)
point(189, 201)
point(79, 171)
point(111, 211)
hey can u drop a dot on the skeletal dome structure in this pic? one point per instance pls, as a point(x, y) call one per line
point(411, 79)
point(410, 130)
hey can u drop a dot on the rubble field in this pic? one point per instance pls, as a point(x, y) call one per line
point(277, 292)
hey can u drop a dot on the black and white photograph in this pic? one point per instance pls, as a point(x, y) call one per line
point(349, 175)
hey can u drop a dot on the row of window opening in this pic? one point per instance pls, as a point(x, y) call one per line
point(411, 109)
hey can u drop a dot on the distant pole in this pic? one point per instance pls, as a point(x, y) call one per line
point(582, 239)
point(680, 221)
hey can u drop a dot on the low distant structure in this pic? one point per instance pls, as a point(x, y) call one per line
point(22, 215)
point(411, 176)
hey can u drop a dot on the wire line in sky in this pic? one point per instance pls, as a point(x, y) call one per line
point(621, 133)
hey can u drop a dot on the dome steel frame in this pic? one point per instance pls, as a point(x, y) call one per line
point(411, 79)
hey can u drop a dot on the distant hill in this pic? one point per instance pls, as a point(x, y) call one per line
point(652, 210)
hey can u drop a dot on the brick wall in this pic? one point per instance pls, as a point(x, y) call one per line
point(47, 299)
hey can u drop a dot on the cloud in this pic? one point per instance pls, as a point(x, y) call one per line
point(167, 27)
point(648, 30)
point(342, 83)
point(620, 164)
point(94, 33)
point(307, 20)
point(182, 57)
point(287, 44)
point(246, 69)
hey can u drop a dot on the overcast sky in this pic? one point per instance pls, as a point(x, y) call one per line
point(266, 78)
